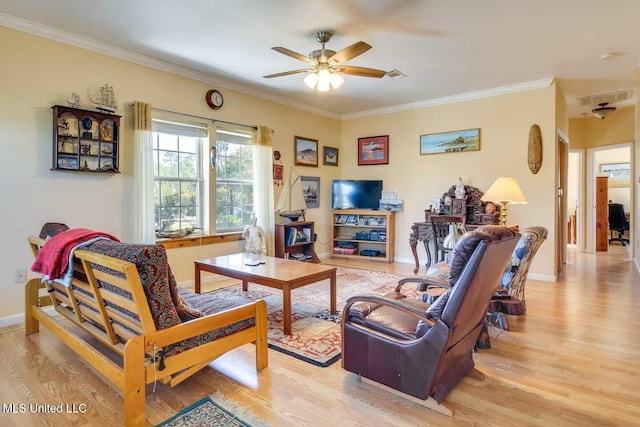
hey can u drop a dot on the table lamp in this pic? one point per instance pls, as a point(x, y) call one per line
point(504, 190)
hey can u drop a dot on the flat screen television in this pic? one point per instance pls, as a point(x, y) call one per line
point(356, 194)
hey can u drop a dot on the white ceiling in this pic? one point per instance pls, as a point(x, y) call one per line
point(446, 48)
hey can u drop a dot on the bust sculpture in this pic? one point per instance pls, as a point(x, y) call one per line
point(255, 238)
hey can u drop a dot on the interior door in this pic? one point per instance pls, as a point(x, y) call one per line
point(602, 211)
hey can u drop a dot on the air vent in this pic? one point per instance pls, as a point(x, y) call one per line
point(395, 74)
point(605, 97)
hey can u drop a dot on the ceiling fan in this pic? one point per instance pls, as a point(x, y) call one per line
point(327, 64)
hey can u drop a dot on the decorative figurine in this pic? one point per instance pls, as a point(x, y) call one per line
point(74, 100)
point(104, 99)
point(460, 191)
point(255, 238)
point(490, 208)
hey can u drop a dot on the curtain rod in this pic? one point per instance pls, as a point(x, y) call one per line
point(203, 118)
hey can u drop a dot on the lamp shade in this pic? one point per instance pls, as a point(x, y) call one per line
point(504, 189)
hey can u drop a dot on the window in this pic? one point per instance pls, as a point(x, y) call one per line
point(178, 177)
point(187, 191)
point(234, 179)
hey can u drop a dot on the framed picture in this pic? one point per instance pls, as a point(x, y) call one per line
point(311, 190)
point(68, 162)
point(306, 150)
point(329, 156)
point(450, 142)
point(619, 173)
point(373, 150)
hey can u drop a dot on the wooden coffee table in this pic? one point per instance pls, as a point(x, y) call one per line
point(278, 273)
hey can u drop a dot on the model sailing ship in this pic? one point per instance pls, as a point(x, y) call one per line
point(291, 203)
point(104, 99)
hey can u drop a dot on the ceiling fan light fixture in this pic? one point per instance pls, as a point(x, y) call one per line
point(311, 80)
point(336, 80)
point(324, 80)
point(602, 112)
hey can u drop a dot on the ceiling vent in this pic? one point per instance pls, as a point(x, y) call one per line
point(605, 97)
point(395, 74)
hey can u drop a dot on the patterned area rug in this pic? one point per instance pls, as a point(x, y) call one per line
point(214, 411)
point(315, 333)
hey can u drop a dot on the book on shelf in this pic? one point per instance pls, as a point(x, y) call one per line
point(307, 233)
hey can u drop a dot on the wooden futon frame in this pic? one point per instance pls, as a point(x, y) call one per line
point(131, 333)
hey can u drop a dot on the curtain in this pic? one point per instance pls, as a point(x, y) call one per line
point(143, 173)
point(262, 142)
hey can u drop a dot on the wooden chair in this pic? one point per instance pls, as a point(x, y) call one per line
point(441, 226)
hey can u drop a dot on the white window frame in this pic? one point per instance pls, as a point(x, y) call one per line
point(180, 127)
point(241, 136)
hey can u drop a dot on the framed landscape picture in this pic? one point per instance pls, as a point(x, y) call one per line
point(450, 142)
point(329, 156)
point(619, 173)
point(311, 190)
point(373, 150)
point(306, 150)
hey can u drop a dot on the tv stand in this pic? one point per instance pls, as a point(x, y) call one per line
point(364, 234)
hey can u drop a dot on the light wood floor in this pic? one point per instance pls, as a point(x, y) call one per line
point(573, 360)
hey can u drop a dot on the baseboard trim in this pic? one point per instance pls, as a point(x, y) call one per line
point(542, 277)
point(16, 319)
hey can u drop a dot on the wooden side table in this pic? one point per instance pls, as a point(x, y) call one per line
point(421, 231)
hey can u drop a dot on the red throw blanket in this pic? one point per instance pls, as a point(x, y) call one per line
point(53, 258)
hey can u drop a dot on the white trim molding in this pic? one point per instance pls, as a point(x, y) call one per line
point(158, 64)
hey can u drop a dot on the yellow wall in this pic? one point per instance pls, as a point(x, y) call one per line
point(41, 73)
point(504, 122)
point(37, 73)
point(591, 132)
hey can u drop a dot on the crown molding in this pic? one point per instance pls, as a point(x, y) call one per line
point(157, 64)
point(72, 39)
point(469, 96)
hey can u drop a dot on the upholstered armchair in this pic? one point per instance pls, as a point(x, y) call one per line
point(424, 350)
point(510, 298)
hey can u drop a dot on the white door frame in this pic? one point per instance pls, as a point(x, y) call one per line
point(580, 241)
point(592, 172)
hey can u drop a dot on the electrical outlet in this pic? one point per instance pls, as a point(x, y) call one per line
point(20, 275)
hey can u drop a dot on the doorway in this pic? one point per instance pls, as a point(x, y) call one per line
point(613, 161)
point(575, 199)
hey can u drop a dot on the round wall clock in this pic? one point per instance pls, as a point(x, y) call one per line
point(214, 99)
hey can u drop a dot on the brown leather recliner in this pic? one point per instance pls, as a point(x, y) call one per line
point(420, 349)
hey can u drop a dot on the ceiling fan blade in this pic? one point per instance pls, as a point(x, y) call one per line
point(286, 73)
point(349, 52)
point(361, 71)
point(294, 55)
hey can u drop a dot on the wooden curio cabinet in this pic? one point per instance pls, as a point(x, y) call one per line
point(85, 140)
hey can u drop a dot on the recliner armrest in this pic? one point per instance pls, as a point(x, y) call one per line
point(379, 300)
point(424, 283)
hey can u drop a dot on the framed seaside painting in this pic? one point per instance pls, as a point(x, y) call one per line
point(306, 150)
point(450, 142)
point(373, 150)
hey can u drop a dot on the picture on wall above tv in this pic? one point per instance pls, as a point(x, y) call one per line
point(356, 194)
